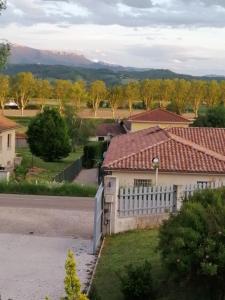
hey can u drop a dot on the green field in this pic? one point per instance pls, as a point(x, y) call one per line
point(46, 170)
point(122, 249)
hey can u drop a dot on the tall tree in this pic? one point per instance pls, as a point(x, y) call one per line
point(197, 94)
point(98, 92)
point(132, 94)
point(43, 91)
point(78, 93)
point(166, 92)
point(4, 90)
point(222, 91)
point(61, 92)
point(213, 93)
point(181, 94)
point(4, 46)
point(149, 91)
point(23, 88)
point(115, 96)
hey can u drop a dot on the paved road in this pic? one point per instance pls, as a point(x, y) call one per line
point(50, 202)
point(87, 176)
point(47, 215)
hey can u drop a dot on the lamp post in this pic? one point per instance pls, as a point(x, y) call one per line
point(155, 165)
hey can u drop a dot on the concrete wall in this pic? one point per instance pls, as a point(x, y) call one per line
point(136, 126)
point(7, 154)
point(127, 178)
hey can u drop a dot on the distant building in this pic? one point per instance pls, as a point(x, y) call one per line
point(106, 131)
point(7, 143)
point(186, 156)
point(157, 117)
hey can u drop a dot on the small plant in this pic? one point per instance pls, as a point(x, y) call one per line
point(72, 282)
point(136, 283)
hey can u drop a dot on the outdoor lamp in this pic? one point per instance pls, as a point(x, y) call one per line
point(155, 165)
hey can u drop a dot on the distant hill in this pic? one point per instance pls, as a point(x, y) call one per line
point(110, 76)
point(64, 65)
point(27, 55)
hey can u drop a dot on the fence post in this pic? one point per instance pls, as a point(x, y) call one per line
point(179, 196)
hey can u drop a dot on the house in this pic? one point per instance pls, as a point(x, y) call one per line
point(106, 131)
point(7, 143)
point(157, 117)
point(185, 156)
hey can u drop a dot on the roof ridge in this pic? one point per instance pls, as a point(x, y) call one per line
point(158, 109)
point(197, 147)
point(144, 149)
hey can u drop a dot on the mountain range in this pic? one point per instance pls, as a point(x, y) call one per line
point(64, 65)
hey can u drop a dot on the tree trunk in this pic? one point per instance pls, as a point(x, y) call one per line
point(22, 110)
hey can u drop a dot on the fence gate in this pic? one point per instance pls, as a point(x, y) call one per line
point(98, 219)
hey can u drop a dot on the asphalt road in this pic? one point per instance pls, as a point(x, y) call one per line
point(47, 215)
point(47, 202)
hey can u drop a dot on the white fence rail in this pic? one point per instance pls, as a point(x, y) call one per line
point(135, 201)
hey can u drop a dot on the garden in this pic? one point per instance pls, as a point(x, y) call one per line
point(183, 259)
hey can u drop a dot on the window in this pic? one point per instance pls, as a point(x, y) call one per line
point(101, 138)
point(0, 143)
point(203, 183)
point(142, 182)
point(9, 141)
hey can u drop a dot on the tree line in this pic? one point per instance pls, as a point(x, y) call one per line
point(177, 94)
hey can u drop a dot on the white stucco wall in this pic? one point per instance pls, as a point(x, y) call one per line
point(136, 126)
point(127, 178)
point(7, 154)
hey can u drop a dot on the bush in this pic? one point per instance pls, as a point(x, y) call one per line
point(51, 189)
point(136, 283)
point(192, 245)
point(93, 154)
point(214, 117)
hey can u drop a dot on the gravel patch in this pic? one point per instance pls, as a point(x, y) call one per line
point(32, 267)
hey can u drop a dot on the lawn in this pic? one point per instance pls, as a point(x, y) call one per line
point(119, 250)
point(23, 122)
point(46, 170)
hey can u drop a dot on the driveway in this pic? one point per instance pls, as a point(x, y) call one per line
point(87, 176)
point(35, 234)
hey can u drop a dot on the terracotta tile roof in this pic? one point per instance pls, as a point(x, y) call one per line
point(6, 124)
point(211, 138)
point(176, 153)
point(113, 129)
point(159, 115)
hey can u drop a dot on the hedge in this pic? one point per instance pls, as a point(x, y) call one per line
point(93, 154)
point(50, 189)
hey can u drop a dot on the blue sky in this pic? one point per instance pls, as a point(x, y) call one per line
point(182, 35)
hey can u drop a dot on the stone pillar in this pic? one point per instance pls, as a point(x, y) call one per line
point(111, 191)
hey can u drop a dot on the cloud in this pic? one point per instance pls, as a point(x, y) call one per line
point(129, 13)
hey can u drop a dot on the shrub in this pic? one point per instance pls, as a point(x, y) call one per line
point(192, 244)
point(48, 136)
point(136, 283)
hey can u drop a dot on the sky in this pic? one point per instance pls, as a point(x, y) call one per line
point(185, 36)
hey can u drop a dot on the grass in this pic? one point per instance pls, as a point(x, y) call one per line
point(46, 170)
point(132, 247)
point(53, 189)
point(23, 122)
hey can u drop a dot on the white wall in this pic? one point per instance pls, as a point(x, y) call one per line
point(127, 178)
point(7, 155)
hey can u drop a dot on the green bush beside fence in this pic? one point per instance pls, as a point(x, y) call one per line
point(50, 189)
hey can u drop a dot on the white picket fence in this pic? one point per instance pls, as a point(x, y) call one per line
point(135, 201)
point(189, 189)
point(146, 200)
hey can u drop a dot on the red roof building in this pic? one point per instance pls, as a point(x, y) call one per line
point(157, 117)
point(181, 151)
